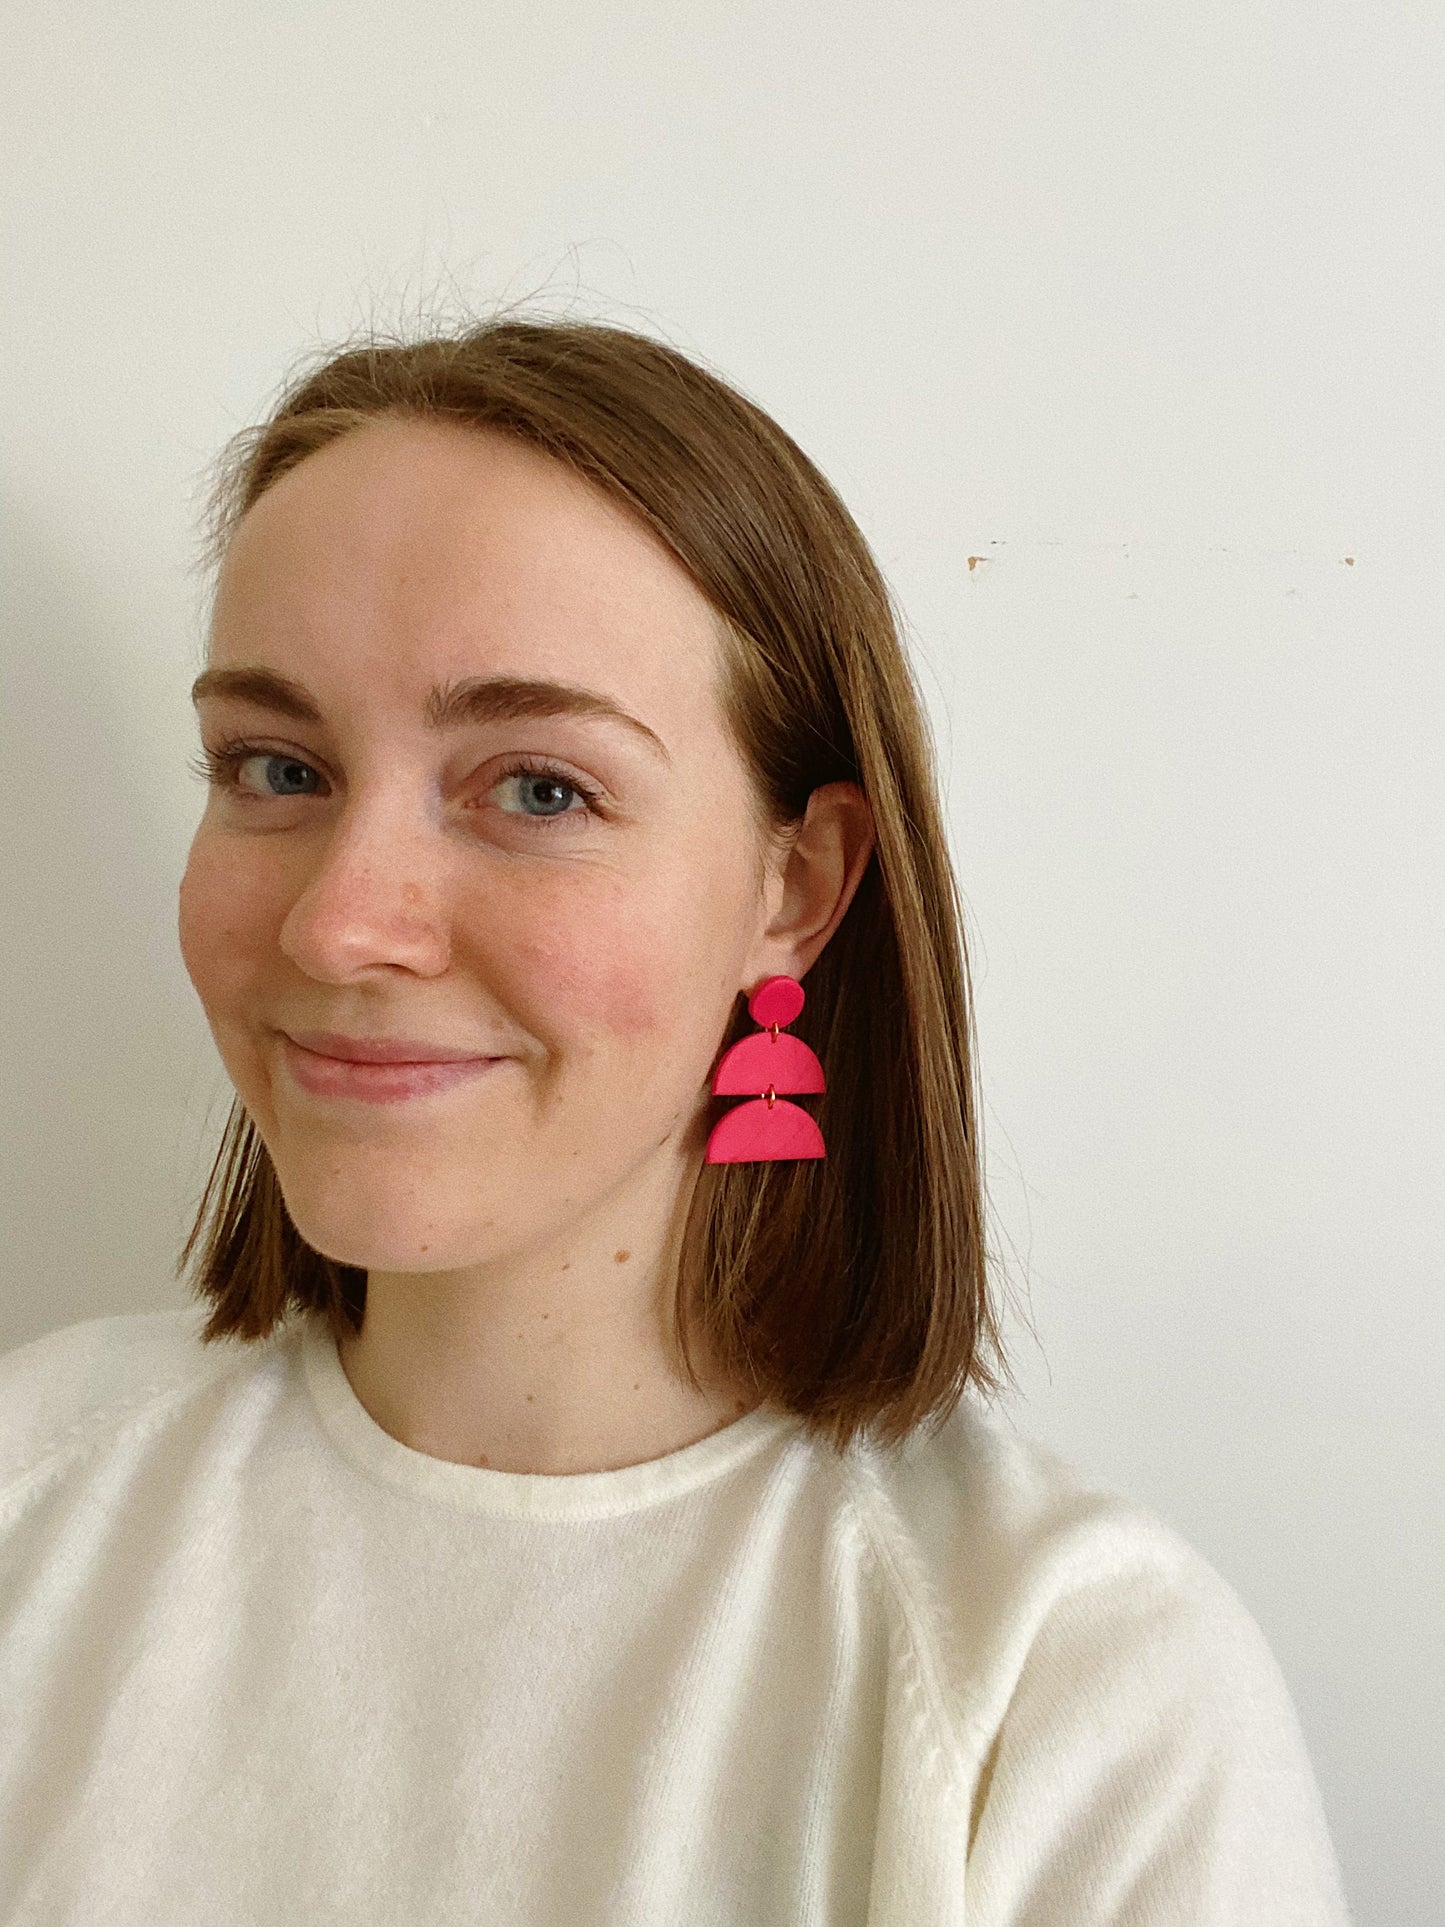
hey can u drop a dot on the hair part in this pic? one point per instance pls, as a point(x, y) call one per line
point(853, 1290)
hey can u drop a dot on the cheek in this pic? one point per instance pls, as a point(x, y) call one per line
point(621, 968)
point(599, 980)
point(216, 919)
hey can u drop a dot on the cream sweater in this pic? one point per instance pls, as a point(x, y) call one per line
point(260, 1662)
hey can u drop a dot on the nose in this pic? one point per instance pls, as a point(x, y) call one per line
point(379, 894)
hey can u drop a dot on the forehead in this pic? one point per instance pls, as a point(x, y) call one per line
point(411, 550)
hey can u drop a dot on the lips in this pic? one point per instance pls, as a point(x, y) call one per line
point(345, 1080)
point(381, 1050)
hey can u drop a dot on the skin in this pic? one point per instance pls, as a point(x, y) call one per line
point(519, 1232)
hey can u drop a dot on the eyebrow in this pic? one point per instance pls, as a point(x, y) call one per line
point(456, 705)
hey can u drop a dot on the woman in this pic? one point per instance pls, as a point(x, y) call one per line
point(579, 1501)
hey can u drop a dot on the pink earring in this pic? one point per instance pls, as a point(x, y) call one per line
point(769, 1127)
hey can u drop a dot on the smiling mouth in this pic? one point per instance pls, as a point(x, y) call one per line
point(381, 1050)
point(335, 1077)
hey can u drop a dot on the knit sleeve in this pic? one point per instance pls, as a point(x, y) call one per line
point(1149, 1769)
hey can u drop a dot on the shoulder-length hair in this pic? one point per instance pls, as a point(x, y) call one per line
point(851, 1289)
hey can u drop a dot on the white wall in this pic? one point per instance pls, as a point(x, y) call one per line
point(1138, 304)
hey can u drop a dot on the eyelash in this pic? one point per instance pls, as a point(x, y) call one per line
point(220, 766)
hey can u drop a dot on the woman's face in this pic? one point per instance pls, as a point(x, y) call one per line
point(373, 874)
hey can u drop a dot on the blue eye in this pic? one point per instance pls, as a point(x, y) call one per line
point(539, 776)
point(221, 768)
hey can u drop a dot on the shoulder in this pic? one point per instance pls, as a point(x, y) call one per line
point(70, 1388)
point(1020, 1561)
point(1123, 1740)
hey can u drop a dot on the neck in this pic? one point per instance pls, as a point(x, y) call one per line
point(555, 1359)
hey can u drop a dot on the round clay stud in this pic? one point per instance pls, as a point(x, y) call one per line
point(777, 1000)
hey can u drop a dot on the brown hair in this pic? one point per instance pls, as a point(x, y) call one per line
point(851, 1289)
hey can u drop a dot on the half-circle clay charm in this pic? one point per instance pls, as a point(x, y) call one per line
point(753, 1063)
point(751, 1133)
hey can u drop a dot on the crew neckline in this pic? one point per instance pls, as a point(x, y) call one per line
point(519, 1495)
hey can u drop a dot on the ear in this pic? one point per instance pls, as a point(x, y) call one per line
point(824, 865)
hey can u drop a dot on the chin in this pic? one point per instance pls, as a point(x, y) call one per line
point(364, 1227)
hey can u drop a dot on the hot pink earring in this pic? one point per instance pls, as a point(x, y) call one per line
point(767, 1063)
